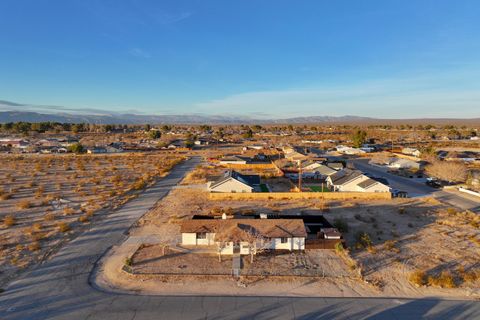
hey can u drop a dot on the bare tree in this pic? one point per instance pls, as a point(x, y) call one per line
point(221, 244)
point(451, 171)
point(257, 243)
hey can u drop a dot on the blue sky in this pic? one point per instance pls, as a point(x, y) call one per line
point(260, 58)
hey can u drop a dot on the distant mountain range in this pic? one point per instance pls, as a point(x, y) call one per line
point(8, 113)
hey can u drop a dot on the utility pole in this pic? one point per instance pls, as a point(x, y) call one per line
point(391, 139)
point(299, 175)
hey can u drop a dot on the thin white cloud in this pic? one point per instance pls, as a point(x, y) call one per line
point(420, 96)
point(170, 18)
point(140, 53)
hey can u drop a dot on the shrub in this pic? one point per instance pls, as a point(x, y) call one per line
point(39, 192)
point(37, 226)
point(83, 219)
point(68, 211)
point(401, 210)
point(63, 227)
point(418, 278)
point(471, 276)
point(34, 246)
point(139, 184)
point(5, 196)
point(9, 221)
point(128, 261)
point(49, 217)
point(24, 204)
point(444, 280)
point(363, 238)
point(341, 225)
point(451, 211)
point(339, 249)
point(390, 245)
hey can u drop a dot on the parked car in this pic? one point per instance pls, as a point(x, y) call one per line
point(399, 194)
point(433, 183)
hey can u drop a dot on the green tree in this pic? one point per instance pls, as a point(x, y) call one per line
point(359, 138)
point(76, 148)
point(155, 134)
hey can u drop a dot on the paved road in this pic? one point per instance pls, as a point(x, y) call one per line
point(60, 289)
point(415, 188)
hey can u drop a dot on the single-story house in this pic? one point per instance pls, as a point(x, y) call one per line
point(15, 143)
point(349, 150)
point(335, 165)
point(245, 236)
point(412, 152)
point(294, 154)
point(354, 181)
point(319, 169)
point(96, 150)
point(254, 147)
point(232, 181)
point(233, 160)
point(400, 163)
point(371, 185)
point(202, 142)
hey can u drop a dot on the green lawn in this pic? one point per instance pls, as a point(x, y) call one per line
point(318, 189)
point(264, 188)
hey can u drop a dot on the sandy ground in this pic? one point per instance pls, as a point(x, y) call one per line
point(44, 193)
point(404, 235)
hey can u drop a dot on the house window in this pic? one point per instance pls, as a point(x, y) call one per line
point(201, 235)
point(283, 240)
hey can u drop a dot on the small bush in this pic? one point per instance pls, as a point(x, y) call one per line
point(418, 278)
point(64, 227)
point(471, 276)
point(339, 249)
point(9, 221)
point(68, 211)
point(49, 217)
point(128, 261)
point(24, 204)
point(444, 280)
point(34, 246)
point(401, 210)
point(451, 211)
point(5, 196)
point(363, 238)
point(390, 245)
point(83, 219)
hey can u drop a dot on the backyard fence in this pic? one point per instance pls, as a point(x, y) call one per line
point(322, 243)
point(301, 195)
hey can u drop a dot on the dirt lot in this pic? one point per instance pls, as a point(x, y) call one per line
point(44, 199)
point(150, 260)
point(388, 240)
point(314, 263)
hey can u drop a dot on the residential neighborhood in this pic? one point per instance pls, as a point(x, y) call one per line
point(239, 160)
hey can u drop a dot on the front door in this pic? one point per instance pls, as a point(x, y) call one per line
point(236, 248)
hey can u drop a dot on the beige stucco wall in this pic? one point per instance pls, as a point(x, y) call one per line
point(291, 244)
point(189, 239)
